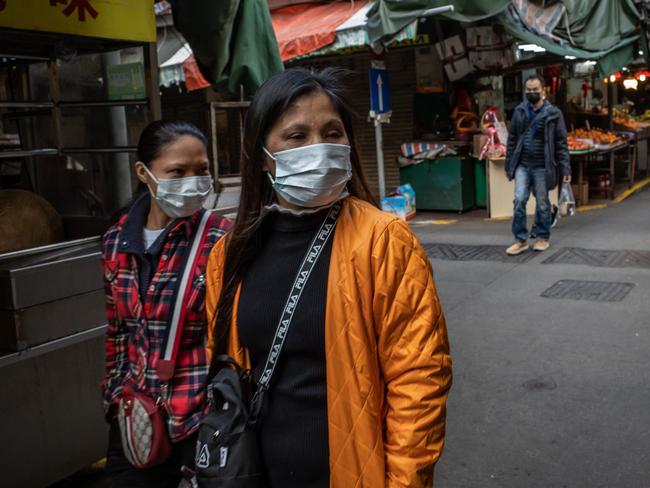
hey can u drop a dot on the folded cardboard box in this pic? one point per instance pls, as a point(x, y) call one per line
point(450, 48)
point(482, 37)
point(458, 69)
point(491, 60)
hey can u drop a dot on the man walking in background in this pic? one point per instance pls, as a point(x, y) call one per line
point(537, 153)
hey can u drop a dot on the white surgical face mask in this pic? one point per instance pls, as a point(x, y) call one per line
point(312, 176)
point(181, 197)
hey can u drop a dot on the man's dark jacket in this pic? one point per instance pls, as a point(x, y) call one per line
point(556, 150)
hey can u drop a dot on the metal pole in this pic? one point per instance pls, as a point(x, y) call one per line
point(437, 10)
point(610, 103)
point(27, 131)
point(55, 96)
point(380, 159)
point(152, 80)
point(215, 152)
point(117, 170)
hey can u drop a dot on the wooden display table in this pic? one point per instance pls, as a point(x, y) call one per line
point(604, 159)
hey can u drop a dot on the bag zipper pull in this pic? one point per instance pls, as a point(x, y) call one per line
point(162, 400)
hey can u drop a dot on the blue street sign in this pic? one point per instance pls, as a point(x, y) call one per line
point(379, 91)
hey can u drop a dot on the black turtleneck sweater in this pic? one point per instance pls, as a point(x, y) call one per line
point(293, 424)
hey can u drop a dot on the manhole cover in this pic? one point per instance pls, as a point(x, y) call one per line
point(595, 291)
point(459, 252)
point(606, 259)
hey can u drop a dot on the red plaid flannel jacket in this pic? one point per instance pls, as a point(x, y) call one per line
point(137, 328)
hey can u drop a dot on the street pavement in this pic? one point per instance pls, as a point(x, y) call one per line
point(547, 392)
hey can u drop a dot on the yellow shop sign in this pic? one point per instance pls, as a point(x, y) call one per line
point(131, 20)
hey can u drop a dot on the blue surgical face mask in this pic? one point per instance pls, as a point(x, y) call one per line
point(181, 197)
point(312, 176)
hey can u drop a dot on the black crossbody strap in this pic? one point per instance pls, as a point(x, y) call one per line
point(533, 120)
point(304, 272)
point(520, 142)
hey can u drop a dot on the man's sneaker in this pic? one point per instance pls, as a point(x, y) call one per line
point(517, 248)
point(541, 245)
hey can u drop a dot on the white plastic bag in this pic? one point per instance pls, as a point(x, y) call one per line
point(567, 201)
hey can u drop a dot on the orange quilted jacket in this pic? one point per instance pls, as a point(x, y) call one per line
point(388, 363)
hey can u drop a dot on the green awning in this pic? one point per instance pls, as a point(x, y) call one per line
point(619, 55)
point(592, 29)
point(233, 41)
point(614, 60)
point(388, 17)
point(598, 25)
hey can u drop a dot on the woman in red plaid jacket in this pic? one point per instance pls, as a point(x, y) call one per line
point(144, 255)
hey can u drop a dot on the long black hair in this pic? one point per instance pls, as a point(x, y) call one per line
point(153, 139)
point(270, 102)
point(161, 133)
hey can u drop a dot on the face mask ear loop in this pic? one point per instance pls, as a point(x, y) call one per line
point(268, 173)
point(153, 178)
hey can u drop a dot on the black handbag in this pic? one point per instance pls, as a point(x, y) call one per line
point(228, 453)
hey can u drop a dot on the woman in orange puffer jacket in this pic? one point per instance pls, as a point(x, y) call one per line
point(358, 396)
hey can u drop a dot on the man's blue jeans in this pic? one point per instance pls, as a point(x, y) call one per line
point(525, 180)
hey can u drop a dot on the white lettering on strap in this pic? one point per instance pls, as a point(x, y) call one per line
point(308, 262)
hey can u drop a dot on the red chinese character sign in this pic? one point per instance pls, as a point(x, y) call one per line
point(82, 7)
point(131, 20)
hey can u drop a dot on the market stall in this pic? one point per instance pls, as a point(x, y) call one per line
point(609, 114)
point(638, 126)
point(600, 159)
point(489, 60)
